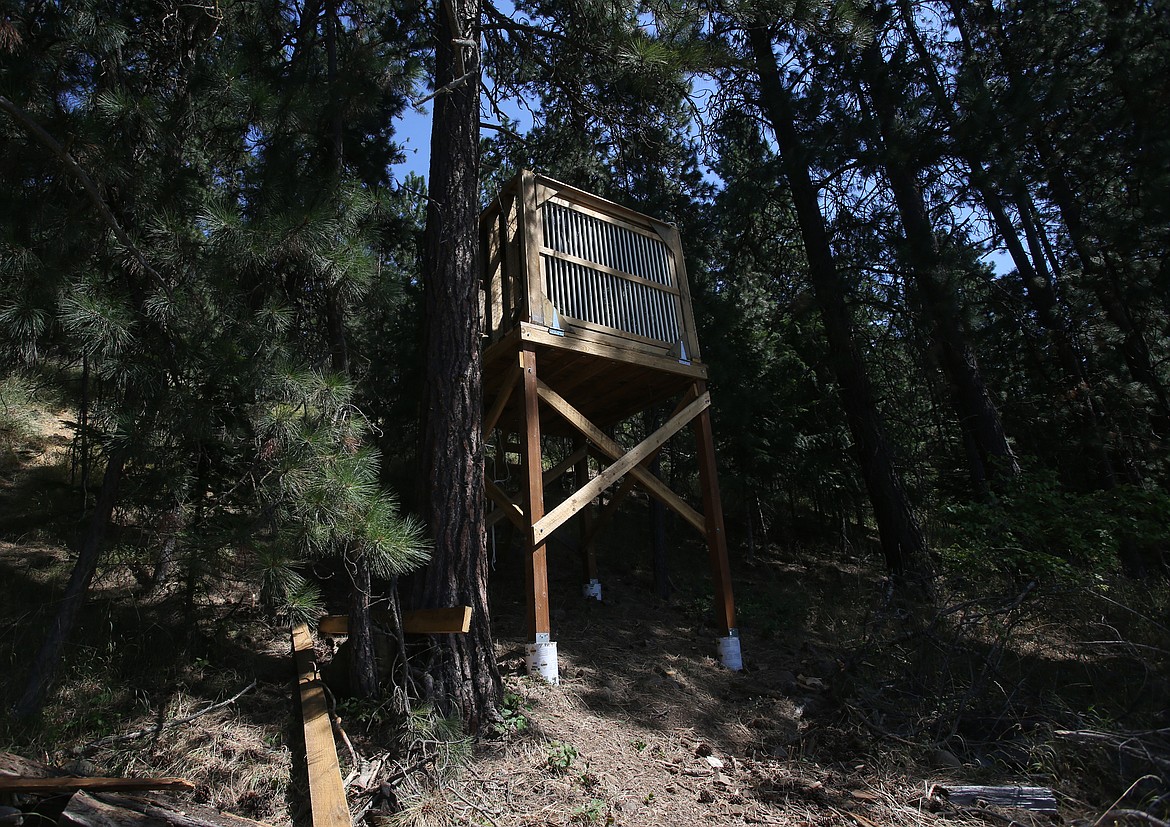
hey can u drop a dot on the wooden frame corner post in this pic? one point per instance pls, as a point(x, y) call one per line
point(541, 651)
point(729, 649)
point(591, 588)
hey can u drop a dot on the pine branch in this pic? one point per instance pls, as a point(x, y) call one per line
point(91, 189)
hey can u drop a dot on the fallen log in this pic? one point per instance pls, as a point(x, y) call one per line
point(1036, 799)
point(106, 810)
point(66, 783)
point(16, 765)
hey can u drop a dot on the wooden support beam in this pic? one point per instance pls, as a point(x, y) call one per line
point(447, 621)
point(536, 566)
point(621, 459)
point(506, 507)
point(453, 621)
point(509, 509)
point(70, 784)
point(533, 240)
point(623, 491)
point(713, 511)
point(561, 468)
point(583, 342)
point(501, 401)
point(588, 552)
point(623, 464)
point(326, 791)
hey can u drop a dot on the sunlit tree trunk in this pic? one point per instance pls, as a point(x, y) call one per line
point(463, 676)
point(48, 657)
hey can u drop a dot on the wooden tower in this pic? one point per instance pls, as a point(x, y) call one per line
point(588, 322)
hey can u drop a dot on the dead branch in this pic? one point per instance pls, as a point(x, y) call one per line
point(1128, 743)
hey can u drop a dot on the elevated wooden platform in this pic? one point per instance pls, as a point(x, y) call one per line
point(589, 323)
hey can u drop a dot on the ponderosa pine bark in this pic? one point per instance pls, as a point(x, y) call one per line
point(463, 677)
point(901, 538)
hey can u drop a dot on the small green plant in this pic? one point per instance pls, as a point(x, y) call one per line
point(366, 712)
point(589, 813)
point(512, 714)
point(588, 779)
point(639, 745)
point(560, 756)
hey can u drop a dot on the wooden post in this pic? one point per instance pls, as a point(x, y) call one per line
point(533, 241)
point(713, 517)
point(536, 567)
point(588, 551)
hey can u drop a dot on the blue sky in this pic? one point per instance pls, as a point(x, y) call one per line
point(414, 133)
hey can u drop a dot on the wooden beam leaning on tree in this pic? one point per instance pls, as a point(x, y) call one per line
point(452, 621)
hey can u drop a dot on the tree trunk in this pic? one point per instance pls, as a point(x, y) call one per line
point(363, 662)
point(48, 657)
point(976, 408)
point(463, 677)
point(901, 538)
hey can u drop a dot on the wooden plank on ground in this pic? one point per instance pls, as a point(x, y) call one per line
point(452, 621)
point(65, 784)
point(326, 790)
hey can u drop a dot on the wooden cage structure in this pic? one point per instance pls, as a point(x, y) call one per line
point(588, 321)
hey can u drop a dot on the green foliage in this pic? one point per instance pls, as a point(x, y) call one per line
point(1037, 527)
point(512, 714)
point(560, 756)
point(441, 736)
point(592, 812)
point(18, 410)
point(326, 497)
point(369, 713)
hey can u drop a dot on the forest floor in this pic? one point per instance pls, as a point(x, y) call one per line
point(853, 708)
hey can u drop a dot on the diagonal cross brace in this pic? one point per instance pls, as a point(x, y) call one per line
point(510, 508)
point(506, 507)
point(624, 463)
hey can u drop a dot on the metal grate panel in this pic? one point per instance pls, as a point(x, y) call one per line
point(593, 295)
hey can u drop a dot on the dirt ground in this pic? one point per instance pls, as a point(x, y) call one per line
point(851, 710)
